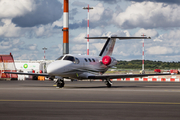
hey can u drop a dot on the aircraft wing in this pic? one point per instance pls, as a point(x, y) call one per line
point(124, 76)
point(36, 74)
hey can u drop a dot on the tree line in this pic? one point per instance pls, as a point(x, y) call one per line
point(148, 64)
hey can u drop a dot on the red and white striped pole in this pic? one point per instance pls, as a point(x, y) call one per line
point(143, 55)
point(66, 27)
point(44, 48)
point(88, 28)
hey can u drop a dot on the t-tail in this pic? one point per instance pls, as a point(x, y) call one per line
point(110, 42)
point(108, 47)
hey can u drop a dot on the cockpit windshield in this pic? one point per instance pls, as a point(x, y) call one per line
point(59, 58)
point(70, 58)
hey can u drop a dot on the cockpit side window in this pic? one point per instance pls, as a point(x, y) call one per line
point(59, 58)
point(77, 60)
point(70, 58)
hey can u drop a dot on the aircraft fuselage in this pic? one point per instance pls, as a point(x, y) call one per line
point(78, 66)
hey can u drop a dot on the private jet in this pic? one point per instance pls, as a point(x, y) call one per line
point(83, 67)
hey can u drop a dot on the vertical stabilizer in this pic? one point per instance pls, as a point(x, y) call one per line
point(108, 47)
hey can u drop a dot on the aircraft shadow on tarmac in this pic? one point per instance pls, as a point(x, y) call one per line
point(92, 87)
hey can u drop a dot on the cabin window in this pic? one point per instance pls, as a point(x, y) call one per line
point(85, 59)
point(89, 59)
point(59, 58)
point(93, 60)
point(77, 60)
point(70, 58)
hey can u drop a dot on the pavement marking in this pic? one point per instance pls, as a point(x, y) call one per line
point(106, 102)
point(91, 89)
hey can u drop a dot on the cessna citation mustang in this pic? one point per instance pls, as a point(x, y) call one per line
point(86, 66)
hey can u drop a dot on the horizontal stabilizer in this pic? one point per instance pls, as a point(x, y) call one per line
point(120, 38)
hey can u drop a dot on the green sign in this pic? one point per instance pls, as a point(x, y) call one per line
point(25, 66)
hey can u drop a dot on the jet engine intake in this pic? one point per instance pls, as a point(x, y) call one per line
point(106, 60)
point(109, 61)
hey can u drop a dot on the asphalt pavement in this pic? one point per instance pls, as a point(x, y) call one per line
point(84, 100)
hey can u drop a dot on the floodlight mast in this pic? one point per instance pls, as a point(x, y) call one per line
point(143, 71)
point(88, 8)
point(44, 48)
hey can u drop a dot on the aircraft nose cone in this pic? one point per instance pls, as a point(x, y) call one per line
point(51, 68)
point(57, 68)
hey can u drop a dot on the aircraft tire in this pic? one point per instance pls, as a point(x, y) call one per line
point(108, 85)
point(60, 83)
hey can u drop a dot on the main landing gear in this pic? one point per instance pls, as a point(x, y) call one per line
point(60, 83)
point(108, 83)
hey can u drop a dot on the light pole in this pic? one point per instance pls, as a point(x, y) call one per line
point(143, 72)
point(44, 48)
point(88, 8)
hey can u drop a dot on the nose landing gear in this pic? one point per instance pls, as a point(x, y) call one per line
point(60, 83)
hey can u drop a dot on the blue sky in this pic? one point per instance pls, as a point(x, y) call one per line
point(26, 26)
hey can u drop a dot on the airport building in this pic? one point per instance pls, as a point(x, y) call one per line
point(8, 64)
point(29, 66)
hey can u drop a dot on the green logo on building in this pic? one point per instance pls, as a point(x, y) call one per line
point(25, 66)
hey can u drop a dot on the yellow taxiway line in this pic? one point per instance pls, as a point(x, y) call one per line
point(106, 102)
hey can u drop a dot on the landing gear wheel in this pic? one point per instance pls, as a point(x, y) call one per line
point(60, 83)
point(108, 83)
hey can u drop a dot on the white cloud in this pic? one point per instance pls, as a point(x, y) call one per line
point(97, 12)
point(79, 49)
point(78, 3)
point(5, 45)
point(92, 33)
point(173, 34)
point(40, 31)
point(14, 8)
point(57, 23)
point(9, 29)
point(10, 45)
point(95, 32)
point(98, 46)
point(159, 50)
point(148, 15)
point(32, 47)
point(147, 32)
point(127, 33)
point(80, 38)
point(25, 56)
point(159, 38)
point(123, 33)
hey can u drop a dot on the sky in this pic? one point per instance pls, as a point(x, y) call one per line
point(26, 26)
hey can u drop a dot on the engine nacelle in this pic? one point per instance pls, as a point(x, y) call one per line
point(109, 61)
point(106, 60)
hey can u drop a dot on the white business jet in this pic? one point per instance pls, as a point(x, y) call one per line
point(87, 66)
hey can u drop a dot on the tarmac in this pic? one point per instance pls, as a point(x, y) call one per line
point(84, 100)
